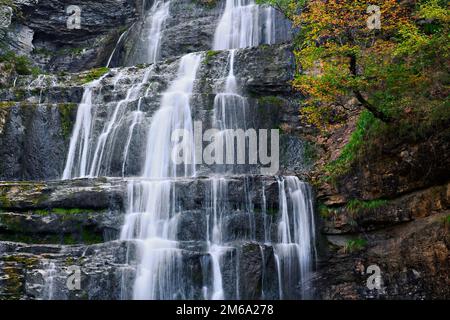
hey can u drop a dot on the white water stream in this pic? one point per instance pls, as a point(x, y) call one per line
point(153, 212)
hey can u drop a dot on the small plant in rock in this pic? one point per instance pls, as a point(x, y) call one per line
point(356, 205)
point(355, 245)
point(93, 74)
point(19, 64)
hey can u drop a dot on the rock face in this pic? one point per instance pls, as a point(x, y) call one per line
point(390, 211)
point(33, 140)
point(61, 225)
point(42, 271)
point(401, 170)
point(36, 123)
point(190, 27)
point(413, 260)
point(45, 32)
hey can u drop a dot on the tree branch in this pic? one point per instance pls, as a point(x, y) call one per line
point(366, 104)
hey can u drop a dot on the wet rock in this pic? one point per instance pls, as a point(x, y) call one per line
point(63, 227)
point(189, 28)
point(341, 220)
point(43, 34)
point(413, 260)
point(33, 141)
point(45, 274)
point(69, 194)
point(389, 174)
point(36, 129)
point(256, 272)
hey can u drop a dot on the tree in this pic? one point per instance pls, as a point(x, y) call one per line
point(400, 67)
point(290, 8)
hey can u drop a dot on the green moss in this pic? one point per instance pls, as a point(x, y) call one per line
point(63, 211)
point(446, 220)
point(42, 51)
point(93, 74)
point(352, 149)
point(20, 64)
point(272, 211)
point(42, 212)
point(141, 66)
point(324, 211)
point(355, 245)
point(12, 223)
point(90, 237)
point(209, 55)
point(71, 211)
point(69, 239)
point(356, 205)
point(309, 153)
point(19, 94)
point(7, 104)
point(271, 101)
point(85, 236)
point(13, 283)
point(207, 3)
point(4, 201)
point(34, 190)
point(65, 112)
point(28, 261)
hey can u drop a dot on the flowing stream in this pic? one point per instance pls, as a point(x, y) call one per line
point(206, 263)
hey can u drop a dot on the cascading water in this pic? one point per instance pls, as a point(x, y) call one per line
point(230, 110)
point(147, 47)
point(49, 279)
point(90, 155)
point(240, 27)
point(151, 218)
point(269, 32)
point(295, 248)
point(79, 142)
point(208, 267)
point(146, 36)
point(244, 24)
point(174, 114)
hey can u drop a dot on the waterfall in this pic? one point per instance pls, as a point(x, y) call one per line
point(207, 267)
point(242, 25)
point(214, 238)
point(152, 31)
point(174, 114)
point(147, 36)
point(138, 117)
point(105, 142)
point(90, 155)
point(296, 236)
point(119, 42)
point(79, 142)
point(230, 110)
point(238, 28)
point(151, 218)
point(49, 275)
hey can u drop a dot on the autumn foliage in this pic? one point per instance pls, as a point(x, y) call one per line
point(400, 68)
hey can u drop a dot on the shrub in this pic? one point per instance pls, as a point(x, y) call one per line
point(355, 245)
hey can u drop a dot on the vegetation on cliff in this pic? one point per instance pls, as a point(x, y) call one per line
point(20, 65)
point(391, 60)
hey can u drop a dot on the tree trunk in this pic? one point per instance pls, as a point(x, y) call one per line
point(366, 104)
